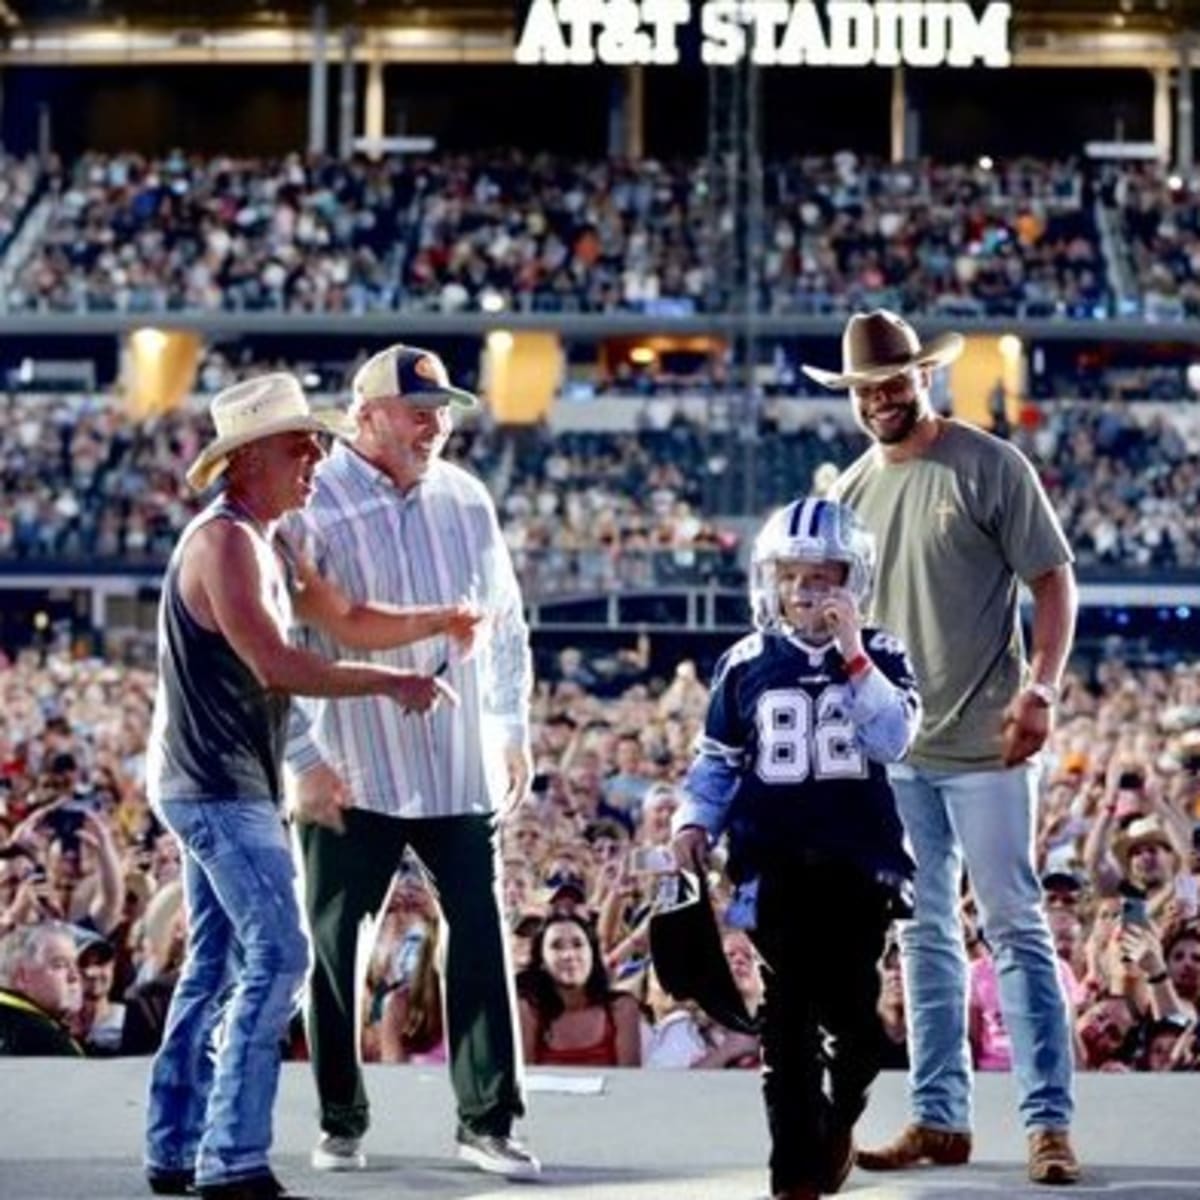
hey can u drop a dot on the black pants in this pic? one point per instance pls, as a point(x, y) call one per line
point(820, 932)
point(346, 878)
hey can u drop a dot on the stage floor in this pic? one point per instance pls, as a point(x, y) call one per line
point(73, 1129)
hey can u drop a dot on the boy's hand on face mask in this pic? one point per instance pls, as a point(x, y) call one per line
point(843, 621)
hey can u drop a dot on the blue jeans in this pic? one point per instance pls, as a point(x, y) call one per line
point(211, 1093)
point(988, 819)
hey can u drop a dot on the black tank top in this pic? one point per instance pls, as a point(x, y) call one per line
point(217, 734)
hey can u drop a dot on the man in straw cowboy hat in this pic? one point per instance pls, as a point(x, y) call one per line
point(1148, 855)
point(961, 520)
point(226, 678)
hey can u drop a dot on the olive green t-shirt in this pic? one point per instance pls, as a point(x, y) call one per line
point(955, 530)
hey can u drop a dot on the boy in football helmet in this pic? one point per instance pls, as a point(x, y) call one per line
point(802, 715)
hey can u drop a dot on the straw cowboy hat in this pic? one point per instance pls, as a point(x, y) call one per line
point(260, 408)
point(1144, 831)
point(878, 345)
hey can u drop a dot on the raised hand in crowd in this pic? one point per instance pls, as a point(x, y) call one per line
point(1185, 1056)
point(1147, 978)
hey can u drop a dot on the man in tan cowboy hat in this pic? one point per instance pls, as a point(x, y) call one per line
point(226, 677)
point(879, 346)
point(960, 520)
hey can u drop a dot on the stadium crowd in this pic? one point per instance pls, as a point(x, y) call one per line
point(585, 511)
point(82, 855)
point(18, 186)
point(1116, 845)
point(79, 480)
point(503, 231)
point(1161, 223)
point(1123, 478)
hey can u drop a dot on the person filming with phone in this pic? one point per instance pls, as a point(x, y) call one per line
point(80, 878)
point(1149, 863)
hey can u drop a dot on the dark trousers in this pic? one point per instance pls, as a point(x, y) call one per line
point(820, 932)
point(346, 878)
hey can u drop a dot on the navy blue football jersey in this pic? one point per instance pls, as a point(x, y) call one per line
point(780, 715)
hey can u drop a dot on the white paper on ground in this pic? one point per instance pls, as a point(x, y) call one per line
point(564, 1084)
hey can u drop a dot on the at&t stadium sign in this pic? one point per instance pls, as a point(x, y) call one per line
point(773, 33)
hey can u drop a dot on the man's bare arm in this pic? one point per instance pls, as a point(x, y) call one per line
point(1055, 601)
point(373, 626)
point(223, 558)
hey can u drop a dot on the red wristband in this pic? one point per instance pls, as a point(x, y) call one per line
point(858, 665)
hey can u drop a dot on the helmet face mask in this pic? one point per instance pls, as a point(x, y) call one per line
point(806, 550)
point(803, 589)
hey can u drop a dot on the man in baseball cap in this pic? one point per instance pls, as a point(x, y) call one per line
point(425, 531)
point(1063, 887)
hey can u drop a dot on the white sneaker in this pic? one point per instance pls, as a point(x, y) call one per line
point(333, 1153)
point(497, 1154)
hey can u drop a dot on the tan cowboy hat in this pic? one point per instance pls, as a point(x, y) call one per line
point(260, 408)
point(1143, 831)
point(878, 345)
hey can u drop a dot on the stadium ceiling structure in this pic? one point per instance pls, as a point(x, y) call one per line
point(1029, 16)
point(462, 14)
point(1156, 35)
point(1133, 16)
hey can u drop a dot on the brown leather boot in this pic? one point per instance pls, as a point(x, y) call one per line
point(1051, 1159)
point(801, 1191)
point(918, 1144)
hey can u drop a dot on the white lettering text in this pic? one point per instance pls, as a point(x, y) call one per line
point(816, 33)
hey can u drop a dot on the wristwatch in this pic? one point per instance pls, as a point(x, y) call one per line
point(1047, 693)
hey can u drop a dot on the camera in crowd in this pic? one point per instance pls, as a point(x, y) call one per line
point(66, 819)
point(1131, 780)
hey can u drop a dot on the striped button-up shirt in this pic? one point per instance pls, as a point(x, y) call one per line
point(437, 543)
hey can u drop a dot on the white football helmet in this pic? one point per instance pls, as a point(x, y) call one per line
point(808, 530)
